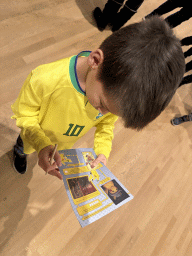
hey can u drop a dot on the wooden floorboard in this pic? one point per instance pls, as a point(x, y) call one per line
point(36, 218)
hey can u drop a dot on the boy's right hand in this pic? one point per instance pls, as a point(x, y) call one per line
point(44, 161)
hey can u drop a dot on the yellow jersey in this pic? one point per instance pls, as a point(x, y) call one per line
point(52, 109)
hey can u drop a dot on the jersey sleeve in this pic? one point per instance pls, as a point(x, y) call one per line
point(104, 135)
point(26, 112)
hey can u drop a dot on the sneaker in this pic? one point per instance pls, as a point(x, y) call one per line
point(182, 119)
point(19, 160)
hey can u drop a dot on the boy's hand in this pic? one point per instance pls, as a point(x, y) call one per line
point(44, 161)
point(100, 158)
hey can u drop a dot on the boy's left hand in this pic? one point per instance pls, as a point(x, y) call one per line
point(100, 158)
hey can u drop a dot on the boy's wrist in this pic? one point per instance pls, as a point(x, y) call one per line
point(45, 156)
point(102, 152)
point(100, 158)
point(43, 145)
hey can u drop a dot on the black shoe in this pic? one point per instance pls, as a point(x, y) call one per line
point(19, 160)
point(105, 17)
point(100, 19)
point(182, 119)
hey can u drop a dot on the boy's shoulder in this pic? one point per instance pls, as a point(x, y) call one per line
point(56, 67)
point(53, 74)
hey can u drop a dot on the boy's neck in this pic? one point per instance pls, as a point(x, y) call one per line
point(82, 69)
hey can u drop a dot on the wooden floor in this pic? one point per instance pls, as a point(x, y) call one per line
point(36, 218)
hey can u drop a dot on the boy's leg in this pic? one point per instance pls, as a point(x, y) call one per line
point(182, 119)
point(19, 157)
point(105, 17)
point(125, 14)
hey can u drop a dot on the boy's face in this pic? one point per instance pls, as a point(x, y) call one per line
point(97, 97)
point(94, 88)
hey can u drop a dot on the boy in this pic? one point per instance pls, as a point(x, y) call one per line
point(134, 74)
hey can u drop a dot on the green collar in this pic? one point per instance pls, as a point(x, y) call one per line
point(73, 71)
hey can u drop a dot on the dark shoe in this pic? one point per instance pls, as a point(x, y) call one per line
point(100, 19)
point(19, 160)
point(182, 119)
point(110, 10)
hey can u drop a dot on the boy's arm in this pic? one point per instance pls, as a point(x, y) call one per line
point(26, 109)
point(104, 135)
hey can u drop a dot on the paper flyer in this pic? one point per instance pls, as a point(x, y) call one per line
point(93, 193)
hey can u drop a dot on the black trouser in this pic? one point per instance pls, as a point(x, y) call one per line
point(19, 145)
point(168, 6)
point(113, 6)
point(19, 141)
point(178, 17)
point(134, 4)
point(188, 67)
point(186, 80)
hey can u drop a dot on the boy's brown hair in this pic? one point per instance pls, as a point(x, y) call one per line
point(142, 68)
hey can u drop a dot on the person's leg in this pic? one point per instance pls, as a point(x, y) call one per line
point(186, 40)
point(19, 157)
point(134, 4)
point(19, 143)
point(166, 7)
point(125, 14)
point(188, 53)
point(188, 66)
point(186, 80)
point(104, 18)
point(179, 17)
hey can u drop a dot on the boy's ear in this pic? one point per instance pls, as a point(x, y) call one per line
point(95, 58)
